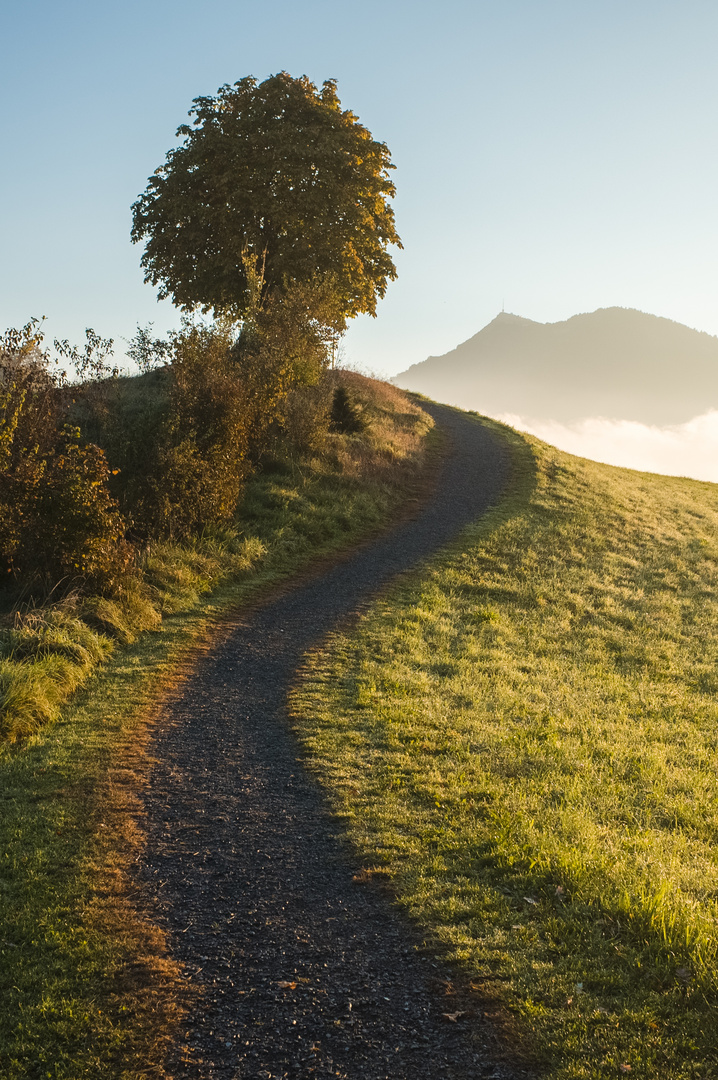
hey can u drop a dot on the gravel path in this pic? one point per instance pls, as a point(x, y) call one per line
point(304, 971)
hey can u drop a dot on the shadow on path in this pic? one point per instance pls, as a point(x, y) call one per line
point(245, 862)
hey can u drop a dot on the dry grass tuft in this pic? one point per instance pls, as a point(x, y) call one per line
point(396, 428)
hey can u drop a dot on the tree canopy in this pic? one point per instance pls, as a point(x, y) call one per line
point(272, 177)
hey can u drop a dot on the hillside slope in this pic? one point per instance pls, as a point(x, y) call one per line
point(522, 738)
point(614, 362)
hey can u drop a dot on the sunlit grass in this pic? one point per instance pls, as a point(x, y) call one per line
point(526, 736)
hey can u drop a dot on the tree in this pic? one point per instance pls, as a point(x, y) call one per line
point(345, 416)
point(273, 175)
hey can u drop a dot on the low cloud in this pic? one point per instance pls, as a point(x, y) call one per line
point(689, 449)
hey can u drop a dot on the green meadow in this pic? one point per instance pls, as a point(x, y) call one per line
point(522, 736)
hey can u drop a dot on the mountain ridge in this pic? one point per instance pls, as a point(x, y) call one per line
point(615, 362)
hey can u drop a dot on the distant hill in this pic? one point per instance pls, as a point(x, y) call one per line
point(614, 362)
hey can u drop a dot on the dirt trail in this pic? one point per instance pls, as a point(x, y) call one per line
point(251, 875)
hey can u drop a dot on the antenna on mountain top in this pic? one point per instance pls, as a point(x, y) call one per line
point(502, 307)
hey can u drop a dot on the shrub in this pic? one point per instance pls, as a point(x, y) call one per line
point(58, 521)
point(73, 528)
point(192, 476)
point(304, 424)
point(282, 354)
point(346, 417)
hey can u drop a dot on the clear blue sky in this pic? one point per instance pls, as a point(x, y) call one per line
point(555, 156)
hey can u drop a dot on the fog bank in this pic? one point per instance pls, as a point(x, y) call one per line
point(689, 449)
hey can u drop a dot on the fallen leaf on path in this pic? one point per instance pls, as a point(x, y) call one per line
point(287, 985)
point(453, 1017)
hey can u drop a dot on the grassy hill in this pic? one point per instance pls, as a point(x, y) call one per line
point(523, 739)
point(614, 362)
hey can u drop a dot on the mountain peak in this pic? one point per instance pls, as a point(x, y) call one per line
point(507, 317)
point(614, 362)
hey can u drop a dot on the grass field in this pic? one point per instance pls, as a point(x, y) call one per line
point(85, 985)
point(524, 738)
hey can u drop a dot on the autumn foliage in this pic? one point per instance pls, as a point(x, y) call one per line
point(200, 452)
point(277, 171)
point(58, 521)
